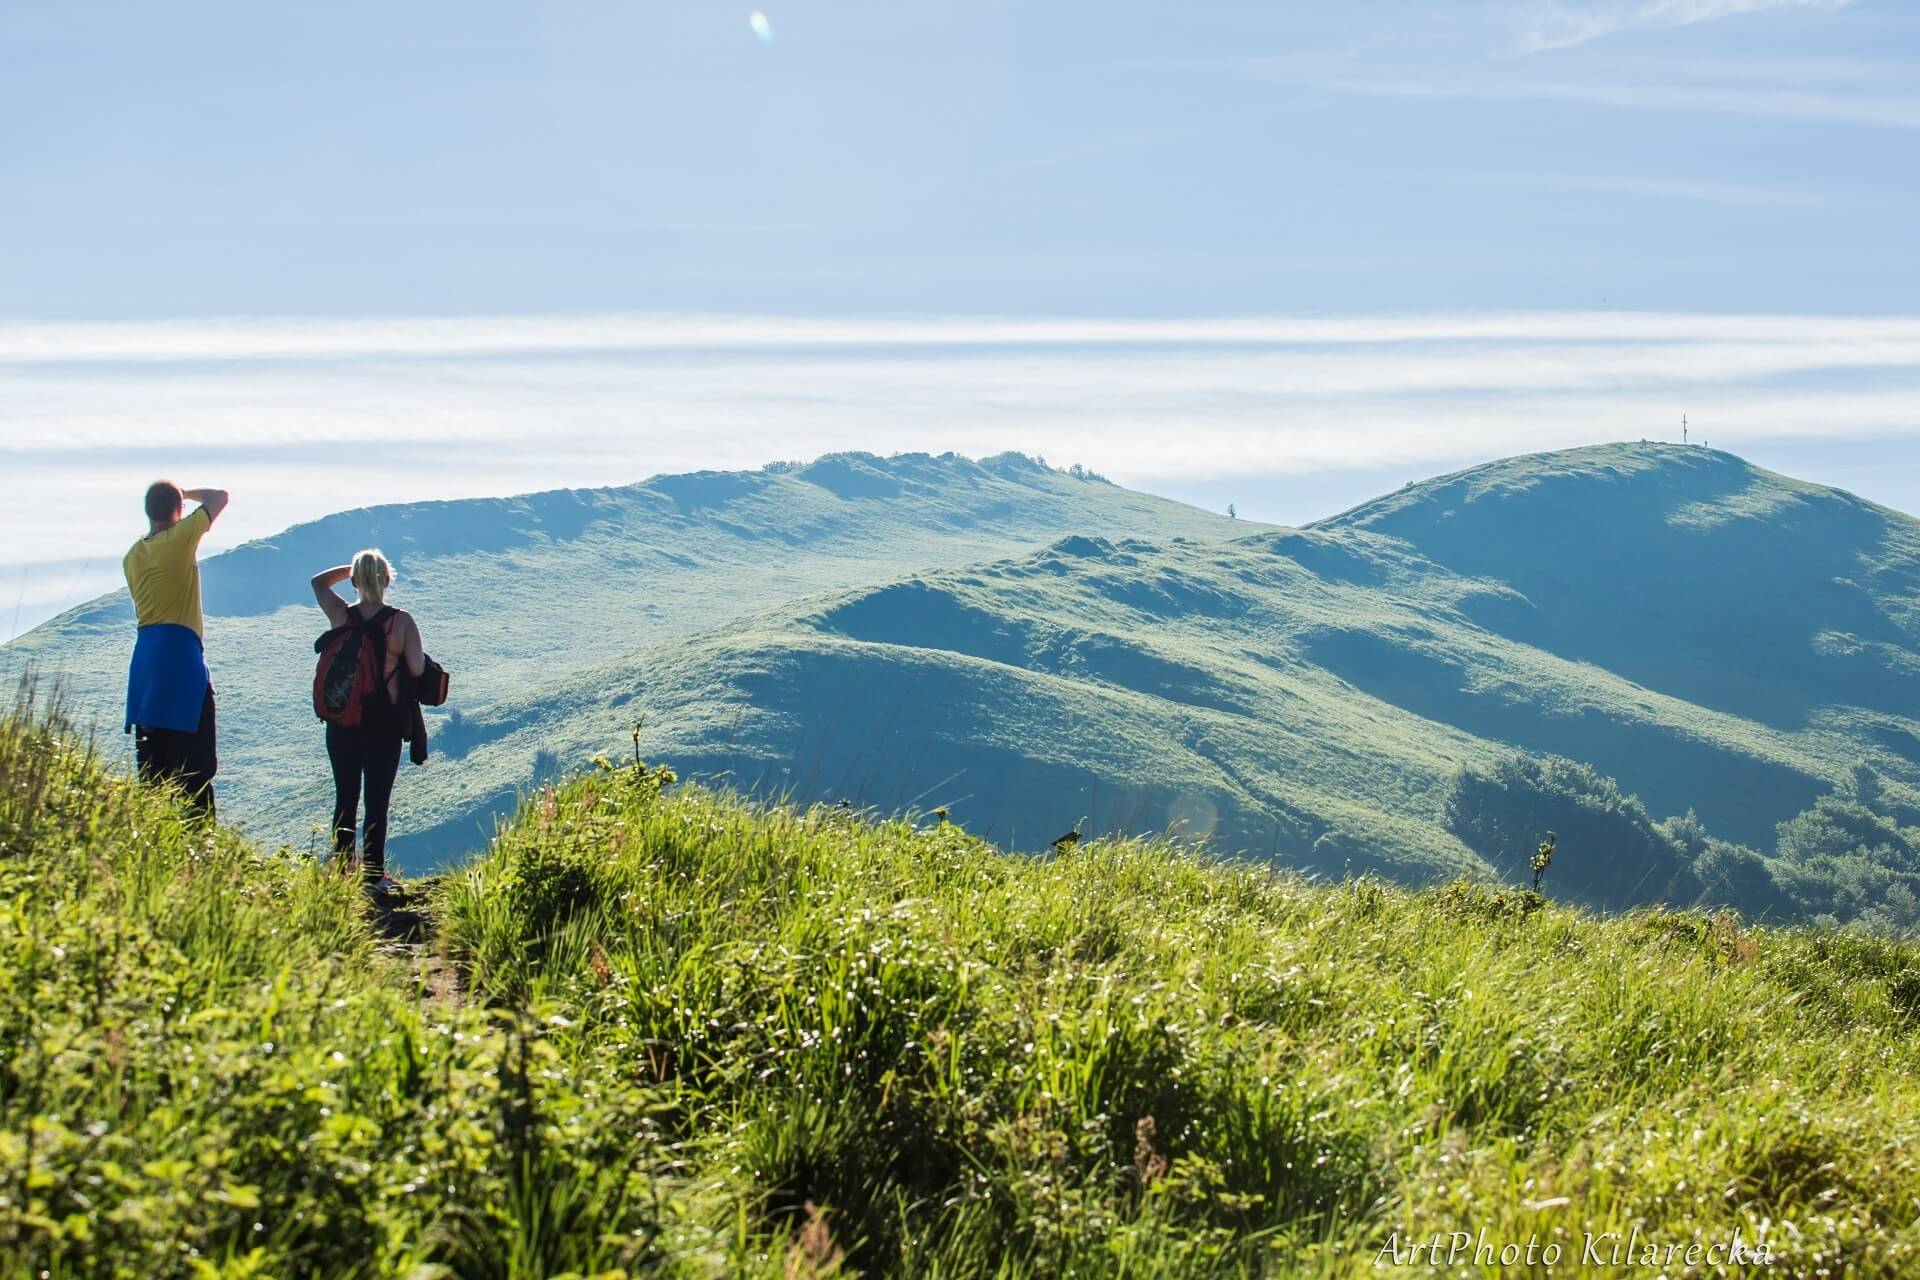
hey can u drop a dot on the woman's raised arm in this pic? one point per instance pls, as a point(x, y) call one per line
point(330, 603)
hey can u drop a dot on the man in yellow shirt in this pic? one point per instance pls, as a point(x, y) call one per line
point(169, 694)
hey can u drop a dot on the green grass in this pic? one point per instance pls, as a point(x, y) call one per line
point(209, 1067)
point(698, 1037)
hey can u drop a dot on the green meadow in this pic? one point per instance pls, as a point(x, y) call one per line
point(655, 1029)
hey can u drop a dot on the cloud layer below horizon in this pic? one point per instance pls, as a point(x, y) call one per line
point(303, 417)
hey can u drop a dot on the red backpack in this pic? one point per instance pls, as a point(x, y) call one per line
point(352, 668)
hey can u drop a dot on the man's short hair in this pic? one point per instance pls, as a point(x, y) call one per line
point(163, 500)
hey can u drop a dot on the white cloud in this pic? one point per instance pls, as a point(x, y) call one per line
point(1561, 24)
point(402, 339)
point(283, 412)
point(1901, 112)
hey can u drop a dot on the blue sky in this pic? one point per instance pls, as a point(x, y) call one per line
point(582, 243)
point(956, 155)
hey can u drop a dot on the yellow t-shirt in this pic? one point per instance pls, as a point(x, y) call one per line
point(163, 573)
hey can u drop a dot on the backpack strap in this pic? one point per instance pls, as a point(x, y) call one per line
point(354, 622)
point(382, 620)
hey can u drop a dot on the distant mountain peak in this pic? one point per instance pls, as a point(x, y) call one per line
point(1617, 492)
point(1595, 471)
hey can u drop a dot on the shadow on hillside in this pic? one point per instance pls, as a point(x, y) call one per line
point(455, 840)
point(920, 730)
point(1739, 796)
point(920, 615)
point(1688, 578)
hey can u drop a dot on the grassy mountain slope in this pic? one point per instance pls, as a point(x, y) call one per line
point(516, 591)
point(1711, 635)
point(1789, 605)
point(695, 1038)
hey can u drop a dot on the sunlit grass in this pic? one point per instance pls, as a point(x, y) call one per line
point(697, 1037)
point(1129, 1057)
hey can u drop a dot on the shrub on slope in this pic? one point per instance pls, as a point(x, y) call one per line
point(932, 1058)
point(1501, 810)
point(1846, 860)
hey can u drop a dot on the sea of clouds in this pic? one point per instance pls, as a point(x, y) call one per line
point(1291, 417)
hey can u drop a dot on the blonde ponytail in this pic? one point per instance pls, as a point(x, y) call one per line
point(372, 575)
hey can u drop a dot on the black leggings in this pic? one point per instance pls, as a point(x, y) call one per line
point(372, 754)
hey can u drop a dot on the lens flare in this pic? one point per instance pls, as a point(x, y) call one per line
point(1192, 817)
point(762, 29)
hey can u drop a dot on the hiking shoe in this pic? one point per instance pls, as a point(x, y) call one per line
point(385, 887)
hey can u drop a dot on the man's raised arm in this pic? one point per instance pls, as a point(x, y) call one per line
point(214, 500)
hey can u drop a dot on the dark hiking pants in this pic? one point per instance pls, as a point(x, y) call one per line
point(186, 759)
point(363, 758)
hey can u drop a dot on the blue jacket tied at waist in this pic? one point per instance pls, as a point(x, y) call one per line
point(167, 681)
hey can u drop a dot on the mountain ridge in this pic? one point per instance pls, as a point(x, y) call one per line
point(1321, 712)
point(513, 591)
point(1730, 646)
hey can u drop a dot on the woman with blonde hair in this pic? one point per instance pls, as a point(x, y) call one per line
point(366, 755)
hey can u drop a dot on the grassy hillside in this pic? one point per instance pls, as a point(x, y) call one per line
point(1732, 658)
point(513, 592)
point(1710, 636)
point(690, 1037)
point(1790, 605)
